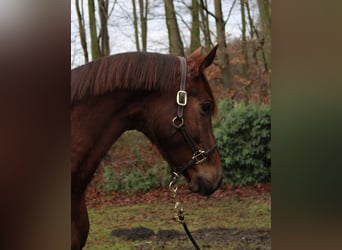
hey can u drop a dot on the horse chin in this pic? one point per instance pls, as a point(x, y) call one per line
point(204, 187)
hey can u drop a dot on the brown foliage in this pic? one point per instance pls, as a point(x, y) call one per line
point(253, 88)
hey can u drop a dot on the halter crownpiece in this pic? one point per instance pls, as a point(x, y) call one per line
point(182, 96)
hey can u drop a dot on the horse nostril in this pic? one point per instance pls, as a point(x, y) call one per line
point(206, 188)
point(203, 189)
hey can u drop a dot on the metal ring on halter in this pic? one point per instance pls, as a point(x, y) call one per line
point(177, 122)
point(173, 187)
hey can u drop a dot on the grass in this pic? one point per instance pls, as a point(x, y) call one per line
point(229, 223)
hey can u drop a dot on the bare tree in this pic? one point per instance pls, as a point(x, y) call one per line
point(195, 27)
point(244, 40)
point(205, 23)
point(265, 18)
point(104, 37)
point(135, 26)
point(143, 12)
point(82, 30)
point(94, 43)
point(244, 52)
point(175, 41)
point(264, 83)
point(143, 22)
point(222, 51)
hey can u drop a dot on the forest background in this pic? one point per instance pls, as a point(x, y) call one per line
point(241, 28)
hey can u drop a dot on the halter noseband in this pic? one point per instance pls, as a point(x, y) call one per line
point(199, 155)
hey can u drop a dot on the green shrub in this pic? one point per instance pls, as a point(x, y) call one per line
point(244, 140)
point(135, 179)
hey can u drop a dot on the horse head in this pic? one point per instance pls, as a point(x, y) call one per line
point(182, 127)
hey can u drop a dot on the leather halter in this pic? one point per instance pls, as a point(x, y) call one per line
point(199, 155)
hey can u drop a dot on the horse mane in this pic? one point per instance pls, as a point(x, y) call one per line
point(132, 70)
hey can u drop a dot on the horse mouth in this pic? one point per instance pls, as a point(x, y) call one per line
point(203, 187)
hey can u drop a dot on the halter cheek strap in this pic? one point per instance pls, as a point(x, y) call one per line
point(199, 155)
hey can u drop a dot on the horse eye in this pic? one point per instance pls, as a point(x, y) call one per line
point(206, 108)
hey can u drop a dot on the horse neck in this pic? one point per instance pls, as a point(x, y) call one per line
point(97, 123)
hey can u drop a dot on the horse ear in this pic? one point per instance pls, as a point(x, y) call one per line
point(207, 59)
point(203, 61)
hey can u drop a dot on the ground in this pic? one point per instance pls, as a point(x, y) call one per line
point(259, 238)
point(232, 218)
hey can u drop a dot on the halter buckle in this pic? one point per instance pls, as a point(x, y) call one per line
point(182, 98)
point(199, 156)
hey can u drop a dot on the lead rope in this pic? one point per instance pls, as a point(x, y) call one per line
point(179, 209)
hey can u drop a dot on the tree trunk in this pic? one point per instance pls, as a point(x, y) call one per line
point(265, 18)
point(222, 51)
point(143, 23)
point(244, 51)
point(175, 41)
point(264, 85)
point(103, 13)
point(195, 29)
point(205, 25)
point(82, 31)
point(135, 26)
point(95, 50)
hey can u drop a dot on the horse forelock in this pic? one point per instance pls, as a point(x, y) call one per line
point(131, 71)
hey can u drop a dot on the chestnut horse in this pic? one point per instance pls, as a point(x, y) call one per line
point(166, 97)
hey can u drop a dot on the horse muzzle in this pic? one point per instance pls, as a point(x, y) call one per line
point(203, 186)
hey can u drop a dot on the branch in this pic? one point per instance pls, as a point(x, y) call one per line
point(230, 12)
point(255, 30)
point(187, 6)
point(112, 9)
point(183, 21)
point(206, 10)
point(250, 19)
